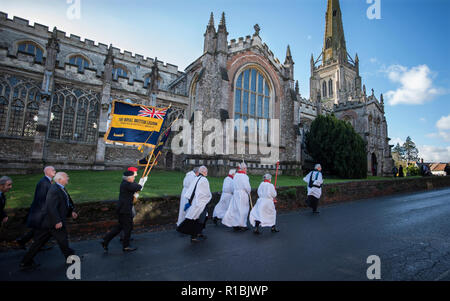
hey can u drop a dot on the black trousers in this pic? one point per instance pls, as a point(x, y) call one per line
point(26, 237)
point(125, 224)
point(312, 202)
point(42, 236)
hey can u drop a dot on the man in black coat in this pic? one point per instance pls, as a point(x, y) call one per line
point(58, 206)
point(124, 211)
point(36, 213)
point(5, 186)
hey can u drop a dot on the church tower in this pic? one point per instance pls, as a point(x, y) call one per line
point(334, 74)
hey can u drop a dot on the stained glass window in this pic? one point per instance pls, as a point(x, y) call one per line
point(252, 96)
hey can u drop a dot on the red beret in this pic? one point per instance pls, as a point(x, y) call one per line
point(133, 169)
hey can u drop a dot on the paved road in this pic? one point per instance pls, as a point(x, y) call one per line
point(410, 233)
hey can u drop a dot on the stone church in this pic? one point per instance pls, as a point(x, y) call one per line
point(56, 92)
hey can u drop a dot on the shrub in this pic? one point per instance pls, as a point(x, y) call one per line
point(337, 147)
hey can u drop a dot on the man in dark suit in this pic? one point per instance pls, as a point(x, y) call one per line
point(5, 186)
point(36, 212)
point(124, 211)
point(58, 206)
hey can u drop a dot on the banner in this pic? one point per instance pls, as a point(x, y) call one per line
point(135, 124)
point(158, 149)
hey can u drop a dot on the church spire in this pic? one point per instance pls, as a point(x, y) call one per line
point(211, 21)
point(334, 47)
point(288, 59)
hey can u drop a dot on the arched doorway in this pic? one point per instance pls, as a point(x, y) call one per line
point(374, 164)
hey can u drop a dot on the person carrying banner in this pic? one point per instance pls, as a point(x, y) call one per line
point(315, 181)
point(237, 213)
point(227, 193)
point(264, 213)
point(124, 211)
point(199, 195)
point(190, 176)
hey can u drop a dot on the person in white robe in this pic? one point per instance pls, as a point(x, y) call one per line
point(264, 213)
point(190, 176)
point(237, 213)
point(198, 195)
point(315, 181)
point(227, 193)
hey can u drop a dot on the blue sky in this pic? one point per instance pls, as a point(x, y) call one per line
point(403, 55)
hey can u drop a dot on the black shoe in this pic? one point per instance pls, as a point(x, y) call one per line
point(316, 212)
point(105, 246)
point(129, 249)
point(244, 228)
point(236, 229)
point(28, 267)
point(274, 230)
point(195, 240)
point(215, 219)
point(256, 231)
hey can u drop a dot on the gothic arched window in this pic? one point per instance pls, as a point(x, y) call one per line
point(324, 89)
point(119, 71)
point(55, 122)
point(92, 126)
point(68, 118)
point(3, 113)
point(74, 115)
point(252, 97)
point(80, 127)
point(19, 109)
point(80, 61)
point(330, 88)
point(16, 118)
point(193, 95)
point(31, 48)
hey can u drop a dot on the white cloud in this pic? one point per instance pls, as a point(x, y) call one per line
point(416, 85)
point(422, 119)
point(443, 126)
point(443, 123)
point(434, 153)
point(373, 60)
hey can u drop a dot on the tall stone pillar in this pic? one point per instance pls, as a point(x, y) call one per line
point(38, 155)
point(103, 119)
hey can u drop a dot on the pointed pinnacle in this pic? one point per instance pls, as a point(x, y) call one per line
point(288, 52)
point(222, 20)
point(211, 20)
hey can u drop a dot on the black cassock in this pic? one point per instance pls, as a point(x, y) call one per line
point(191, 226)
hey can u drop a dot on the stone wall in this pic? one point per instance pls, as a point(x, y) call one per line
point(98, 217)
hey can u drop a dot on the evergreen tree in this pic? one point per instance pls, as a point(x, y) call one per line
point(399, 150)
point(411, 153)
point(337, 147)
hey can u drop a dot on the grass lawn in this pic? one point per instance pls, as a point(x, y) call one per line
point(87, 186)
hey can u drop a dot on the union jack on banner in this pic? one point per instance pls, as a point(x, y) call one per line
point(152, 112)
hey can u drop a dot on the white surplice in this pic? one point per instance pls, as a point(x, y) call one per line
point(237, 213)
point(264, 210)
point(224, 202)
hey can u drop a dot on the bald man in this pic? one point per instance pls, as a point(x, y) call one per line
point(35, 214)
